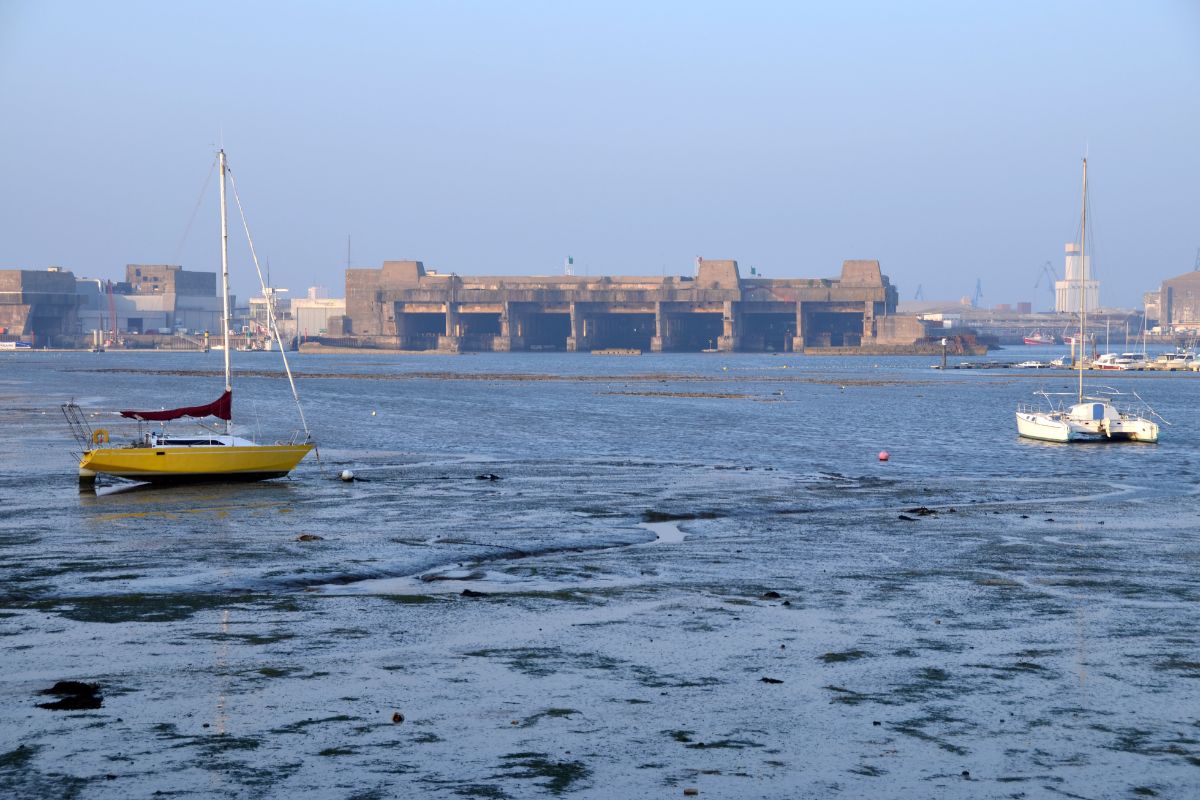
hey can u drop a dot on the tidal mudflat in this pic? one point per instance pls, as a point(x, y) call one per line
point(625, 586)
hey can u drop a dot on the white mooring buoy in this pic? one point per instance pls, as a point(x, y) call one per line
point(347, 475)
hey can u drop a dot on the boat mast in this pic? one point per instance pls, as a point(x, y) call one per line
point(225, 285)
point(1082, 282)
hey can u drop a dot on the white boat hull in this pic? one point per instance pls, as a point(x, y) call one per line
point(1053, 428)
point(1136, 429)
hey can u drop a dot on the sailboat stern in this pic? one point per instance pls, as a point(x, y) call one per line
point(1133, 429)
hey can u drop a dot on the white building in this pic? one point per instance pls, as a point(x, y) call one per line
point(1067, 291)
point(312, 315)
point(303, 317)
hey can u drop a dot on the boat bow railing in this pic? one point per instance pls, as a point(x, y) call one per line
point(78, 423)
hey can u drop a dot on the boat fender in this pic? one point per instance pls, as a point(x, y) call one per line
point(100, 436)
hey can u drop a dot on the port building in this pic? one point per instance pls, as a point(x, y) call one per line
point(37, 305)
point(153, 298)
point(1176, 304)
point(402, 305)
point(54, 308)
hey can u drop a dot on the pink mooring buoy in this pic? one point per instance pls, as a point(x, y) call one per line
point(883, 455)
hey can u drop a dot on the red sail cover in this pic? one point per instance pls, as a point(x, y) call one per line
point(221, 408)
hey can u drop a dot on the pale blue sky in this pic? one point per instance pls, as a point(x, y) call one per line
point(942, 138)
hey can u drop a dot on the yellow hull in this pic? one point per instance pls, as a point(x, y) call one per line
point(185, 464)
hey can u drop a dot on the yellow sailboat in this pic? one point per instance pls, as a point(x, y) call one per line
point(159, 457)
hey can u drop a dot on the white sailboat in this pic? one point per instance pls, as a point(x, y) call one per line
point(1090, 418)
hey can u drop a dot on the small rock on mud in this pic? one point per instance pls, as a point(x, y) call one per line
point(921, 511)
point(74, 696)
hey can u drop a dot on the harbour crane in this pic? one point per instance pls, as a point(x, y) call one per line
point(975, 298)
point(1047, 274)
point(920, 295)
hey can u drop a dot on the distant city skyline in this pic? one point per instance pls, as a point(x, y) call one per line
point(942, 139)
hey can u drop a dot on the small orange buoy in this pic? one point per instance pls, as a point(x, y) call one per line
point(883, 455)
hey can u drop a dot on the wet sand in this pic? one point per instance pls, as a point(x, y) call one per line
point(785, 654)
point(635, 607)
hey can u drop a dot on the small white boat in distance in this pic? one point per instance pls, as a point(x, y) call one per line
point(1029, 365)
point(1120, 361)
point(1170, 362)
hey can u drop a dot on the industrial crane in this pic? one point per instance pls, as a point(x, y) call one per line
point(975, 298)
point(1047, 274)
point(920, 295)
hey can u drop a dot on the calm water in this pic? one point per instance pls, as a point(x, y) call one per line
point(1034, 637)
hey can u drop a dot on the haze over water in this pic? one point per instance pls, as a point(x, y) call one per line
point(664, 533)
point(941, 138)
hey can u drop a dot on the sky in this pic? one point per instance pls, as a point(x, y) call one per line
point(942, 138)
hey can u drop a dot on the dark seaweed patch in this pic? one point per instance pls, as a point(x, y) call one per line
point(552, 713)
point(723, 744)
point(845, 655)
point(223, 743)
point(337, 751)
point(275, 672)
point(1175, 664)
point(143, 607)
point(651, 515)
point(411, 599)
point(915, 731)
point(299, 726)
point(868, 770)
point(558, 775)
point(486, 791)
point(17, 759)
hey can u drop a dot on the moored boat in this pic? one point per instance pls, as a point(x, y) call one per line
point(1171, 362)
point(1090, 418)
point(157, 456)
